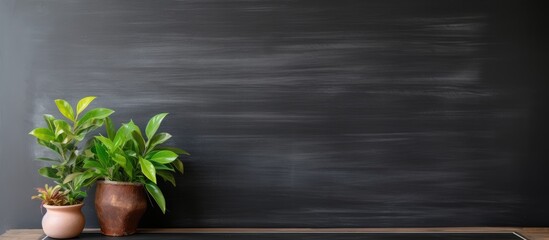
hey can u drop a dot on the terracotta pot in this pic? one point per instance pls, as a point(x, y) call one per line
point(63, 221)
point(119, 207)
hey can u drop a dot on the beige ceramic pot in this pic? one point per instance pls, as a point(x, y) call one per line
point(63, 221)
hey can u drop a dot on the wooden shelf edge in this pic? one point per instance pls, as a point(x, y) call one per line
point(533, 233)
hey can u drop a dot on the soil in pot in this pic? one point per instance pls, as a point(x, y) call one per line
point(63, 221)
point(119, 207)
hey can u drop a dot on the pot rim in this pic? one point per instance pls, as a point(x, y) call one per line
point(120, 183)
point(62, 207)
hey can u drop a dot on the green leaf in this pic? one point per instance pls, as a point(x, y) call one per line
point(120, 160)
point(82, 131)
point(96, 113)
point(48, 172)
point(133, 127)
point(49, 120)
point(79, 137)
point(129, 168)
point(98, 122)
point(65, 108)
point(48, 145)
point(79, 180)
point(166, 167)
point(61, 127)
point(139, 140)
point(158, 139)
point(174, 149)
point(87, 152)
point(110, 128)
point(164, 157)
point(83, 104)
point(157, 195)
point(90, 164)
point(149, 155)
point(43, 134)
point(95, 165)
point(90, 181)
point(167, 176)
point(130, 153)
point(48, 159)
point(153, 124)
point(147, 168)
point(76, 195)
point(121, 135)
point(71, 177)
point(60, 148)
point(107, 142)
point(102, 155)
point(72, 157)
point(130, 148)
point(92, 123)
point(178, 164)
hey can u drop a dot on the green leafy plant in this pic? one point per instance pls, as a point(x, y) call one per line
point(52, 196)
point(62, 138)
point(126, 156)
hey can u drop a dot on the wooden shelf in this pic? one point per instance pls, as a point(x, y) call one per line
point(530, 233)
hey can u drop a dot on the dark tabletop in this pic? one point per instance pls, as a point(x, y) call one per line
point(310, 236)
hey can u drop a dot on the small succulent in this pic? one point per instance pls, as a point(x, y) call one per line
point(53, 196)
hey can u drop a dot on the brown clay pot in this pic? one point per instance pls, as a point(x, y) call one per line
point(63, 221)
point(119, 207)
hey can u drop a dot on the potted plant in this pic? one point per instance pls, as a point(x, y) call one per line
point(66, 168)
point(129, 165)
point(62, 219)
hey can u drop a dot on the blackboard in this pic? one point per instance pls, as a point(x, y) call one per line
point(300, 113)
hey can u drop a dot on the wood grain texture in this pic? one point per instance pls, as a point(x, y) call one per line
point(530, 233)
point(314, 113)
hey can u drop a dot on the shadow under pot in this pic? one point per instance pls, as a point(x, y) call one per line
point(119, 207)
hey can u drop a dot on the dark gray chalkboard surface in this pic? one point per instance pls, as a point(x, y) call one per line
point(316, 113)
